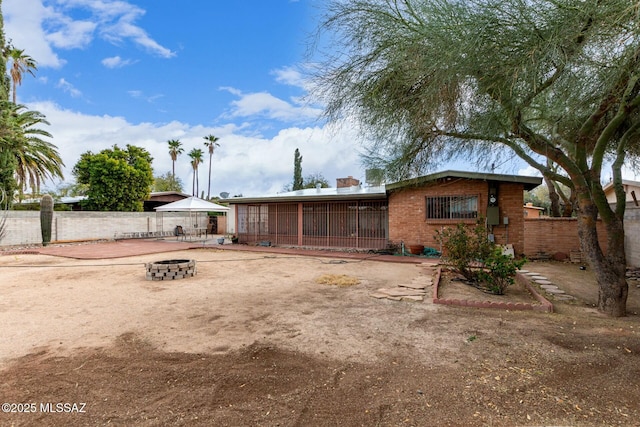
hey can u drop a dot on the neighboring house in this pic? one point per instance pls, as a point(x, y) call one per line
point(531, 211)
point(160, 198)
point(408, 212)
point(631, 191)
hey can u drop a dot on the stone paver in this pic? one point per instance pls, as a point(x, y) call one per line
point(543, 282)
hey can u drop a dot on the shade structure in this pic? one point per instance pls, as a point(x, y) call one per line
point(192, 204)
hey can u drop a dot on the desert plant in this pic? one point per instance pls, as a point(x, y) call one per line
point(46, 218)
point(465, 248)
point(499, 271)
point(479, 260)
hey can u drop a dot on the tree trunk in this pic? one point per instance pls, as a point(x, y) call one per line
point(209, 185)
point(553, 197)
point(610, 268)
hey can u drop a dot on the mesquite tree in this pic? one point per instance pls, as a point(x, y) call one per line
point(555, 82)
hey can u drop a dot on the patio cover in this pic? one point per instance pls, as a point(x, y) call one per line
point(192, 204)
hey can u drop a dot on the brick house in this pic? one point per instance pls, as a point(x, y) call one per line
point(409, 212)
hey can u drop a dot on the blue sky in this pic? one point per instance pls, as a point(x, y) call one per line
point(143, 72)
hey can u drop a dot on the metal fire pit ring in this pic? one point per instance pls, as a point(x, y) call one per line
point(171, 269)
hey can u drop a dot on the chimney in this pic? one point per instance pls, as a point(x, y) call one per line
point(347, 182)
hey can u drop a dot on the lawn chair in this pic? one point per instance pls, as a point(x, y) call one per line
point(179, 231)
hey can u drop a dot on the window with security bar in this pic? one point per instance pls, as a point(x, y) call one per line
point(452, 207)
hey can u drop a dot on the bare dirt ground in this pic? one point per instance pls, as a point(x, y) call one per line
point(254, 340)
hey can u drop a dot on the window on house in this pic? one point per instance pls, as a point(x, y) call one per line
point(452, 207)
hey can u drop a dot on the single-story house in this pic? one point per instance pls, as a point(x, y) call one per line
point(631, 191)
point(159, 198)
point(531, 211)
point(375, 217)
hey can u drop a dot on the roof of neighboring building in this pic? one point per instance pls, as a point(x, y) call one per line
point(609, 185)
point(529, 182)
point(316, 194)
point(529, 205)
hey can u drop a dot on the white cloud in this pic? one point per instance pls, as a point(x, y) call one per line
point(40, 29)
point(290, 76)
point(23, 26)
point(242, 164)
point(68, 88)
point(529, 171)
point(70, 34)
point(116, 62)
point(263, 104)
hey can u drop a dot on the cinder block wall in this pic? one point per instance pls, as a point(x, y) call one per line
point(23, 227)
point(632, 236)
point(407, 216)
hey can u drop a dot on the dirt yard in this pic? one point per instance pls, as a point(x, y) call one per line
point(253, 339)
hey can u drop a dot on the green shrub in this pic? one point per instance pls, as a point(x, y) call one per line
point(465, 248)
point(470, 252)
point(499, 271)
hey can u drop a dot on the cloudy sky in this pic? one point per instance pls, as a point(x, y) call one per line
point(143, 72)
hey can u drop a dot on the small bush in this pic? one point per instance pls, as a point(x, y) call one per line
point(499, 271)
point(480, 261)
point(465, 248)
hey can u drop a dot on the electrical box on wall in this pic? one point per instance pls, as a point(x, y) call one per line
point(493, 194)
point(493, 215)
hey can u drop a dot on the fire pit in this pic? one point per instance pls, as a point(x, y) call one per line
point(171, 269)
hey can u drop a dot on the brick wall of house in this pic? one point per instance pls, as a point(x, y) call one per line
point(552, 235)
point(407, 216)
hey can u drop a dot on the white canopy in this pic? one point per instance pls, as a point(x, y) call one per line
point(192, 204)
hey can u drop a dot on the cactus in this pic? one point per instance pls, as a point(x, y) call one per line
point(46, 218)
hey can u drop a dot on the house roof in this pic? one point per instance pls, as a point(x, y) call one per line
point(317, 194)
point(529, 182)
point(379, 192)
point(625, 182)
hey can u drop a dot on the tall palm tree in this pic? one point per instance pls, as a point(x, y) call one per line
point(20, 63)
point(36, 159)
point(211, 144)
point(175, 149)
point(196, 158)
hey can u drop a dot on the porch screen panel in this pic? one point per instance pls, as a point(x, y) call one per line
point(253, 223)
point(242, 226)
point(283, 223)
point(351, 224)
point(343, 225)
point(373, 225)
point(315, 227)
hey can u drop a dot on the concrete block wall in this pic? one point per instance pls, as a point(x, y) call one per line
point(632, 236)
point(23, 227)
point(408, 222)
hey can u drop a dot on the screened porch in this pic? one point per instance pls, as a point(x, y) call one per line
point(349, 224)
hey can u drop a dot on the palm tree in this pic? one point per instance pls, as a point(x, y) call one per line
point(211, 144)
point(175, 149)
point(196, 159)
point(36, 159)
point(21, 63)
